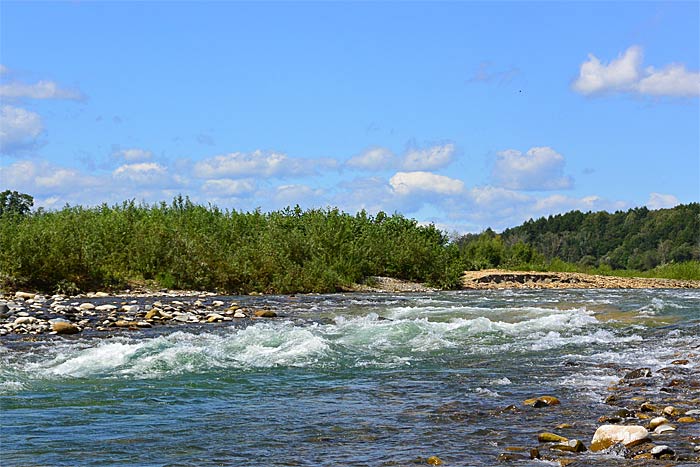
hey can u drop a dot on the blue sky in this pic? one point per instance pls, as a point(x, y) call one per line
point(468, 115)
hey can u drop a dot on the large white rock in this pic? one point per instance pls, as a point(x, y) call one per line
point(607, 435)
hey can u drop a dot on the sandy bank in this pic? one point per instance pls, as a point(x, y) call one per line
point(504, 279)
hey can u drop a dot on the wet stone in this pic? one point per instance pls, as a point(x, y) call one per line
point(573, 445)
point(542, 401)
point(638, 373)
point(662, 450)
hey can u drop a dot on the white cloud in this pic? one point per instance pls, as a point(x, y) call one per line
point(290, 195)
point(429, 159)
point(40, 90)
point(133, 154)
point(3, 69)
point(375, 158)
point(414, 159)
point(144, 172)
point(407, 183)
point(673, 80)
point(619, 74)
point(660, 201)
point(259, 163)
point(540, 168)
point(227, 187)
point(624, 75)
point(19, 129)
point(45, 178)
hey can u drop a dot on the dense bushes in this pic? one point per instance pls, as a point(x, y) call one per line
point(184, 245)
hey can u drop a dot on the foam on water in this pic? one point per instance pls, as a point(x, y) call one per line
point(347, 341)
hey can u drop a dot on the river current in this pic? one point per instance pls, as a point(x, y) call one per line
point(356, 379)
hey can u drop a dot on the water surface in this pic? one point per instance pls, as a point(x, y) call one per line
point(362, 379)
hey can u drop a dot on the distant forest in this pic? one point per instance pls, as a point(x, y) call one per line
point(190, 246)
point(637, 239)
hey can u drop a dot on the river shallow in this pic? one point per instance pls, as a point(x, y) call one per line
point(358, 379)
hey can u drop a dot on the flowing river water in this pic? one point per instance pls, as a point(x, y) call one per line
point(356, 379)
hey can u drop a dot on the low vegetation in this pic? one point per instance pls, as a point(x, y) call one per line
point(190, 246)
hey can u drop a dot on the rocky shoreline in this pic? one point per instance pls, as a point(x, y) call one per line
point(31, 314)
point(653, 416)
point(28, 313)
point(505, 279)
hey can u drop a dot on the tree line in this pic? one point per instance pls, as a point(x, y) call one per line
point(190, 246)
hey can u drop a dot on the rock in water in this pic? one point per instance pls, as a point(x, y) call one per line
point(550, 438)
point(265, 314)
point(64, 327)
point(542, 401)
point(434, 460)
point(639, 373)
point(573, 445)
point(661, 450)
point(607, 435)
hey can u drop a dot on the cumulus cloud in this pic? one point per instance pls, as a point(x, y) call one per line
point(258, 163)
point(672, 80)
point(660, 201)
point(19, 129)
point(140, 173)
point(624, 74)
point(500, 208)
point(540, 168)
point(431, 158)
point(45, 178)
point(133, 154)
point(407, 183)
point(375, 158)
point(39, 90)
point(414, 159)
point(227, 187)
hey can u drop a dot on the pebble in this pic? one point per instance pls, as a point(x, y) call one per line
point(655, 422)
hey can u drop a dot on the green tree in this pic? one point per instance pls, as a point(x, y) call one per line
point(14, 202)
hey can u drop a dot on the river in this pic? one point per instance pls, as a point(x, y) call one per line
point(347, 379)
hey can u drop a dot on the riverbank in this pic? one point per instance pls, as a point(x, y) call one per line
point(505, 279)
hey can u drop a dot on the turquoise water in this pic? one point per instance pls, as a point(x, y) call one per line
point(370, 379)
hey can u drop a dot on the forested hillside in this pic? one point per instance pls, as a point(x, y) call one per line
point(638, 239)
